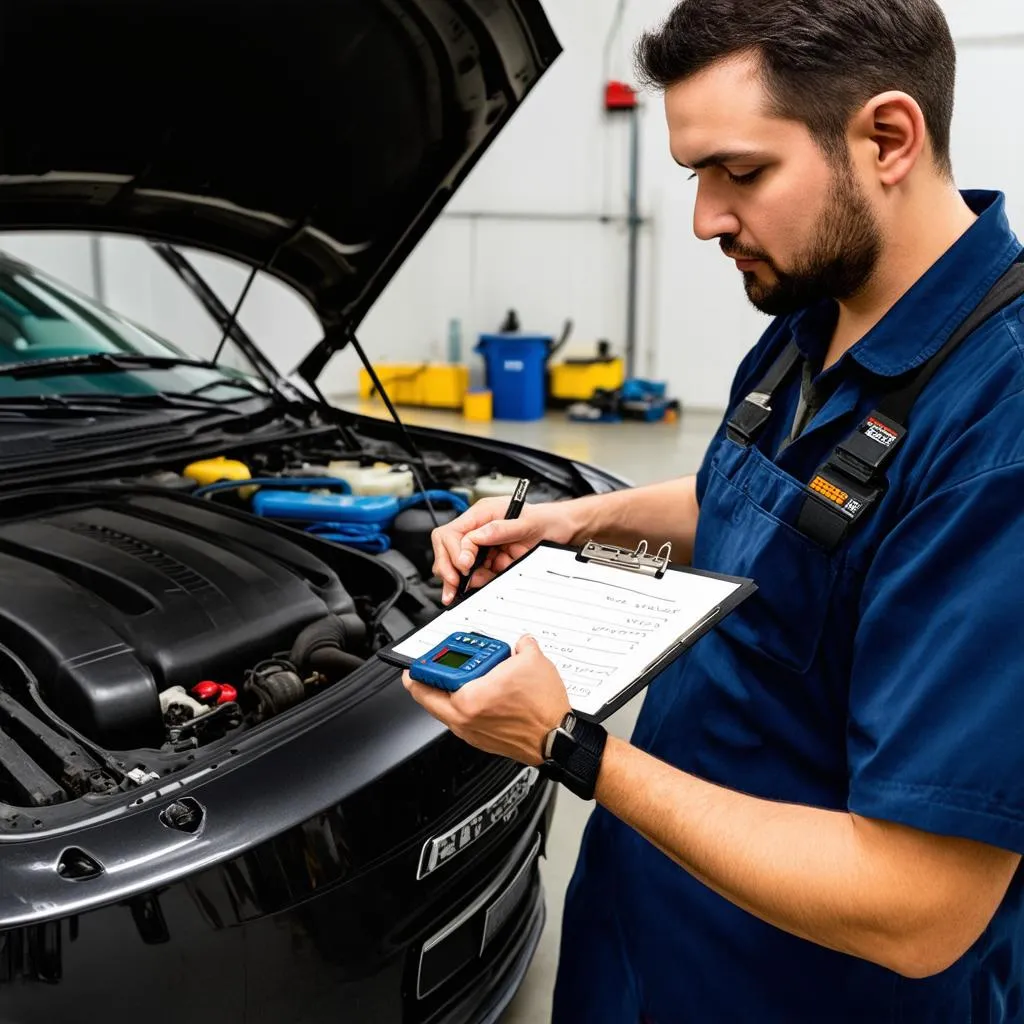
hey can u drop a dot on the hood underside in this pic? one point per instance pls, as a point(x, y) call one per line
point(316, 138)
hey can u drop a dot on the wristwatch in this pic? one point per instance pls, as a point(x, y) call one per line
point(572, 755)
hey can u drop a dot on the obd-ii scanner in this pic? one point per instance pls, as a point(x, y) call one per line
point(460, 659)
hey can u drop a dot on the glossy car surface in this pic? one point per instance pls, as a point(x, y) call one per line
point(298, 841)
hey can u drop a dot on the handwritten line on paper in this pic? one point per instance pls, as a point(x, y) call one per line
point(567, 646)
point(592, 604)
point(589, 664)
point(558, 611)
point(603, 583)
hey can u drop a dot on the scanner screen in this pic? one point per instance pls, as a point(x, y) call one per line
point(452, 659)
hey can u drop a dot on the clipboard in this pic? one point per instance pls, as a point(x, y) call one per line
point(634, 608)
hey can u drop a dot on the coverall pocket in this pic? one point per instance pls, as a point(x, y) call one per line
point(745, 530)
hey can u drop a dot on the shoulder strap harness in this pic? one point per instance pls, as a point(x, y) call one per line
point(852, 480)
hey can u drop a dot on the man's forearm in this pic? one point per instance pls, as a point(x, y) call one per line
point(657, 513)
point(860, 887)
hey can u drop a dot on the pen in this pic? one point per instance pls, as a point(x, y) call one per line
point(515, 508)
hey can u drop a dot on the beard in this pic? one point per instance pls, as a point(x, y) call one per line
point(838, 264)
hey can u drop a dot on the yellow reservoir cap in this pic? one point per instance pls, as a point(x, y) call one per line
point(212, 471)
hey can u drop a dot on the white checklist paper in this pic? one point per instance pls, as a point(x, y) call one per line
point(603, 627)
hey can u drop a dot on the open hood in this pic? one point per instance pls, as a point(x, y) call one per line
point(316, 138)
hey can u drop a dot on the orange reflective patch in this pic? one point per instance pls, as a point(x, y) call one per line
point(821, 486)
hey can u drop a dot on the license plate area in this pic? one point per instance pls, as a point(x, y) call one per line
point(467, 937)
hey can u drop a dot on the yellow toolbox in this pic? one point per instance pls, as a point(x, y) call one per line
point(439, 385)
point(577, 379)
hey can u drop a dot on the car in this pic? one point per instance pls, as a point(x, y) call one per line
point(216, 802)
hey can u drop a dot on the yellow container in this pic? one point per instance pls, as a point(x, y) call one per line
point(211, 471)
point(478, 406)
point(439, 385)
point(577, 382)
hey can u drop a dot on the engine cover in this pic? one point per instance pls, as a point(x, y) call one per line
point(111, 601)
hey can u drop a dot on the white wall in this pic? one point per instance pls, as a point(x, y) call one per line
point(971, 19)
point(562, 153)
point(67, 257)
point(562, 156)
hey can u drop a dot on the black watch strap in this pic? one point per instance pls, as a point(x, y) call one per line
point(575, 760)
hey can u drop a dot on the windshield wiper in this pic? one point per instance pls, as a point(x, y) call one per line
point(97, 362)
point(19, 408)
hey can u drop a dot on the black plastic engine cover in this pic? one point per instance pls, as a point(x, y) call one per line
point(111, 602)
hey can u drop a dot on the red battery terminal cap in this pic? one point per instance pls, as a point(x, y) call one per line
point(209, 691)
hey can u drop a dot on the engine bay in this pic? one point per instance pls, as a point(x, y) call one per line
point(146, 618)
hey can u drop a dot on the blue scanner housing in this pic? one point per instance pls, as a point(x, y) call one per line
point(460, 659)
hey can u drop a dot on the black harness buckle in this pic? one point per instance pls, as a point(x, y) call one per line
point(868, 451)
point(851, 481)
point(834, 503)
point(749, 418)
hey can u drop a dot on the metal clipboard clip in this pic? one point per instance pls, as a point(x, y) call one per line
point(637, 560)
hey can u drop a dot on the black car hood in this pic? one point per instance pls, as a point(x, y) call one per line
point(319, 137)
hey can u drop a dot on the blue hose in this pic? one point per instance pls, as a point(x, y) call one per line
point(363, 536)
point(458, 504)
point(274, 481)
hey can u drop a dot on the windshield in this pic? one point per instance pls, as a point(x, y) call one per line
point(41, 318)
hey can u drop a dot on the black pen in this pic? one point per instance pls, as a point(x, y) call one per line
point(515, 508)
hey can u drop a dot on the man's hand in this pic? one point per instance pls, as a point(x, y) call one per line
point(509, 711)
point(484, 525)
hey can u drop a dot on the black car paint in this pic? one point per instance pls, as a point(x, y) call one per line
point(362, 770)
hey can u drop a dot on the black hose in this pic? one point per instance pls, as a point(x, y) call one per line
point(322, 646)
point(333, 664)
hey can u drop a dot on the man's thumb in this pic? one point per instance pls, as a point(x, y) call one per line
point(526, 644)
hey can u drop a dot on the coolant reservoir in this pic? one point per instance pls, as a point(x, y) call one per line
point(495, 485)
point(378, 480)
point(211, 471)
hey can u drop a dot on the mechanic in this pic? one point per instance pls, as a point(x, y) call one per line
point(820, 815)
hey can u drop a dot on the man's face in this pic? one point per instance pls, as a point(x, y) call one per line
point(799, 227)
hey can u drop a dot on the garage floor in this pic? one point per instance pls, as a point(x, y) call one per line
point(644, 454)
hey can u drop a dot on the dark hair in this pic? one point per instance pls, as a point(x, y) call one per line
point(821, 59)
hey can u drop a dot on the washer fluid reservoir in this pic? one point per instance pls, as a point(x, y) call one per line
point(495, 485)
point(378, 480)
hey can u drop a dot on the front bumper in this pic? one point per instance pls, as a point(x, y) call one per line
point(198, 949)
